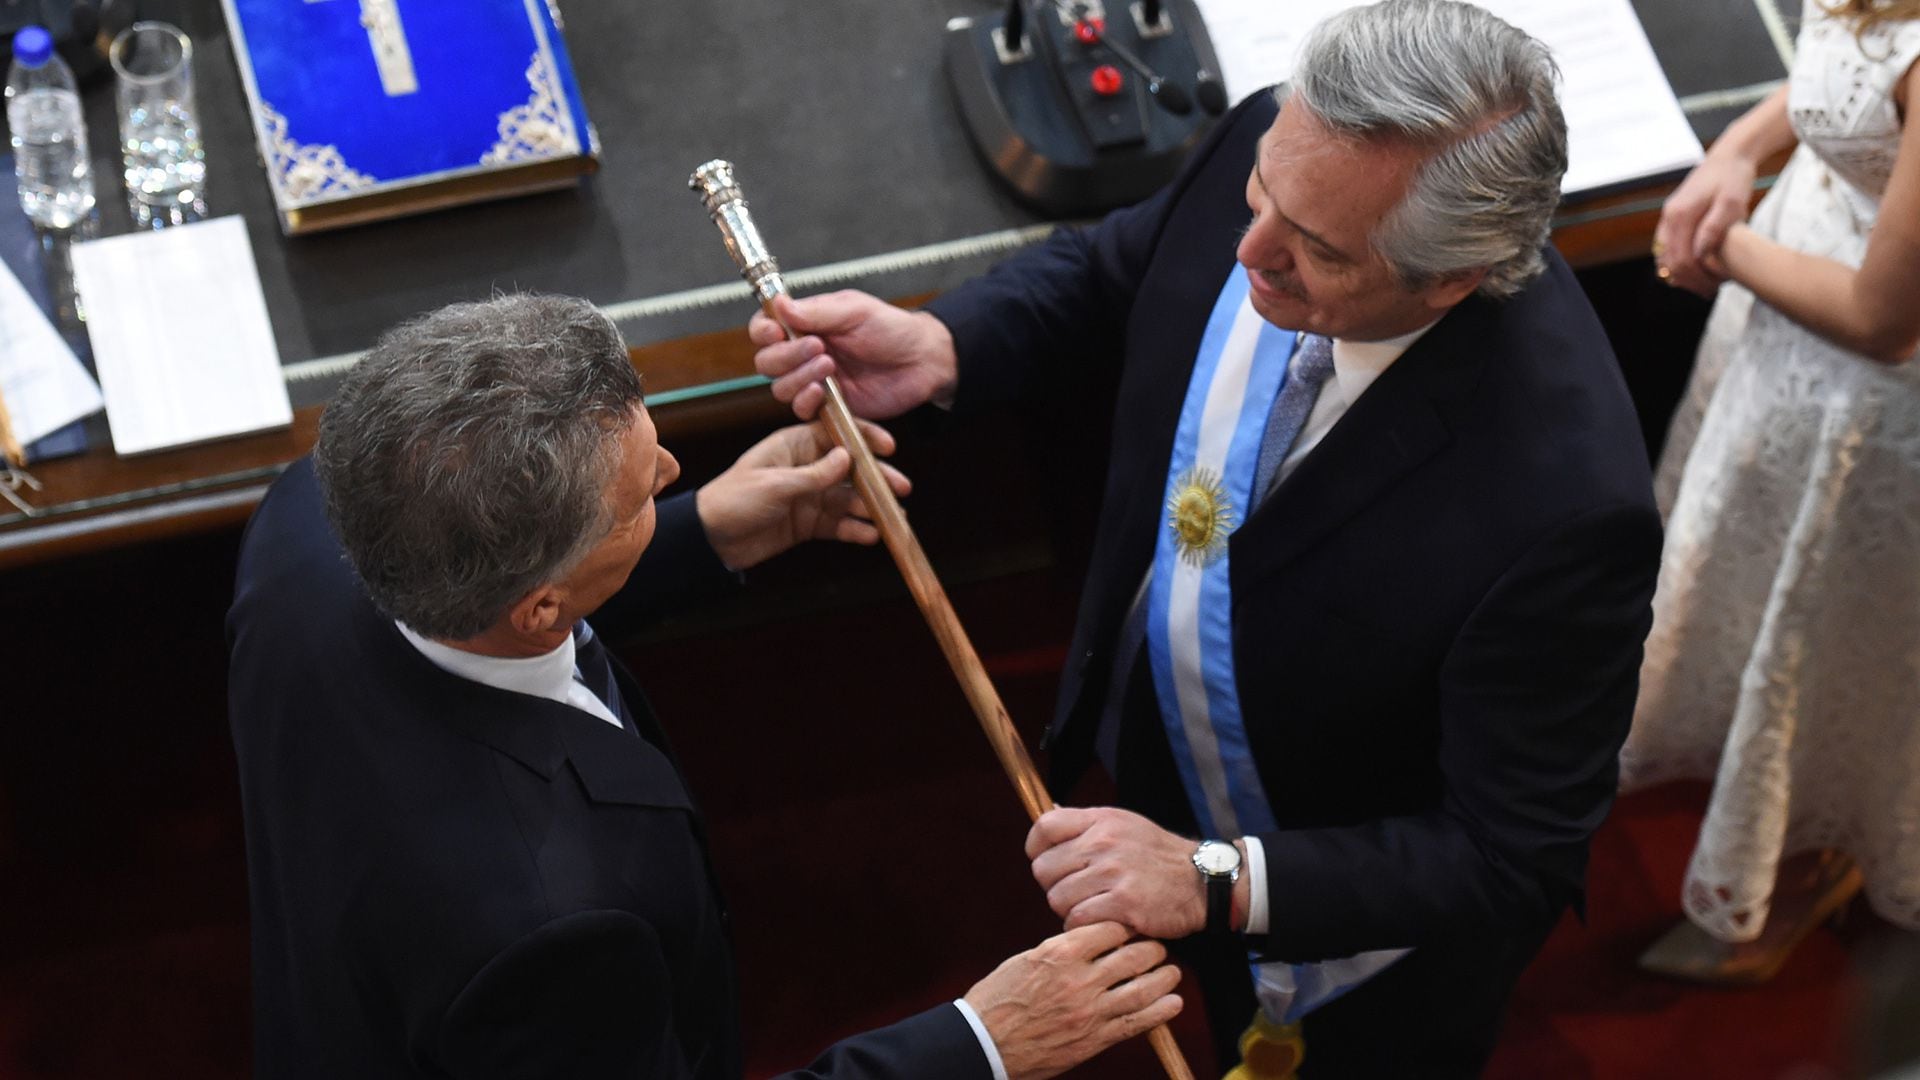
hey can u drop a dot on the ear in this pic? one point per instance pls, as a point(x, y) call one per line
point(537, 612)
point(1451, 289)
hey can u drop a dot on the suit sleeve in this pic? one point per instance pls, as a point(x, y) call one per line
point(1537, 693)
point(1042, 322)
point(678, 569)
point(935, 1045)
point(587, 997)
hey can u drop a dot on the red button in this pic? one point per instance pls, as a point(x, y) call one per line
point(1088, 31)
point(1107, 80)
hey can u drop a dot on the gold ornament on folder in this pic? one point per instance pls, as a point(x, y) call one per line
point(1200, 516)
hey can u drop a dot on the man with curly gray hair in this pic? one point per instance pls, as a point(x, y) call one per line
point(1363, 619)
point(471, 851)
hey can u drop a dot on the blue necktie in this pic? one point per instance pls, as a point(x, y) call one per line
point(1312, 363)
point(595, 671)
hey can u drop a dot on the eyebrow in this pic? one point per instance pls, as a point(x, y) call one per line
point(1259, 155)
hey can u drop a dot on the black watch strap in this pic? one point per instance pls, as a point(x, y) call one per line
point(1219, 904)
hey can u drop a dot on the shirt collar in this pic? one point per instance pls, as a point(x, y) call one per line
point(1356, 364)
point(545, 676)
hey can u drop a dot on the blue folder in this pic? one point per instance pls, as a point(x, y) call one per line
point(369, 109)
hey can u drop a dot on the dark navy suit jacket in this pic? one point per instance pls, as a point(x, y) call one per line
point(1438, 616)
point(451, 880)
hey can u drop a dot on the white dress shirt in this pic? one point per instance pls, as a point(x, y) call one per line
point(1356, 364)
point(551, 675)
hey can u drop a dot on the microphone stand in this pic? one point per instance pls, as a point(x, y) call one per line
point(1015, 25)
point(715, 183)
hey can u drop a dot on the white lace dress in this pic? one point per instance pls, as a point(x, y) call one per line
point(1785, 655)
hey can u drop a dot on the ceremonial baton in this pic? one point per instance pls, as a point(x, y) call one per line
point(717, 188)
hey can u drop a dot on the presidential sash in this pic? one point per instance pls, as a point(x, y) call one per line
point(1216, 450)
point(1238, 374)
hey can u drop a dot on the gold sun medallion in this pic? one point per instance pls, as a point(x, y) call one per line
point(1200, 516)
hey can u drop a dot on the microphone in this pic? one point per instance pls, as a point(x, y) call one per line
point(1211, 93)
point(1170, 95)
point(1015, 25)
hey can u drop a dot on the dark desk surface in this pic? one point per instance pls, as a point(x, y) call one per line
point(837, 116)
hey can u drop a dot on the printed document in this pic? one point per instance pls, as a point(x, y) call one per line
point(1623, 122)
point(44, 384)
point(180, 335)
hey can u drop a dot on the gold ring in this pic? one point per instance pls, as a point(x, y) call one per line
point(1659, 248)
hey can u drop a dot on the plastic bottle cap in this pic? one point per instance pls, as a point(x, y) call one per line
point(32, 46)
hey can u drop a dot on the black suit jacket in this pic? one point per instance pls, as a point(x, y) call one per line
point(1438, 616)
point(452, 880)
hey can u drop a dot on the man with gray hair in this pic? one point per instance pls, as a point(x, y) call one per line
point(470, 850)
point(1362, 626)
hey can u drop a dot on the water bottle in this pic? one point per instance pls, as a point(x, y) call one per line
point(49, 134)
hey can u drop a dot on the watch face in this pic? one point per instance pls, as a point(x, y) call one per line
point(1215, 857)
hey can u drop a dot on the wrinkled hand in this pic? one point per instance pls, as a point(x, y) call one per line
point(887, 359)
point(787, 488)
point(1106, 864)
point(1072, 996)
point(1714, 197)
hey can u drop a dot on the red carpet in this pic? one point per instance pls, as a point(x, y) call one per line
point(1584, 1009)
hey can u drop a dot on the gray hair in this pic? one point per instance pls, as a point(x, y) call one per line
point(465, 461)
point(1449, 75)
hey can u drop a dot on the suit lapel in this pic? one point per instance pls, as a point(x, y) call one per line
point(613, 765)
point(1397, 425)
point(617, 767)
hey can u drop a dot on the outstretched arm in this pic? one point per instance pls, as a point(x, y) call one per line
point(589, 997)
point(1051, 313)
point(787, 488)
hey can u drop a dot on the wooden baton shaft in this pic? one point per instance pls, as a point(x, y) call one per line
point(924, 584)
point(931, 596)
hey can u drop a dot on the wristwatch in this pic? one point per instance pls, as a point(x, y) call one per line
point(1219, 866)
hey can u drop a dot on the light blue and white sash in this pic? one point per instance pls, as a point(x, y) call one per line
point(1239, 372)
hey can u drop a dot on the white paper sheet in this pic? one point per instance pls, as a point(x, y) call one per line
point(1623, 122)
point(180, 335)
point(44, 384)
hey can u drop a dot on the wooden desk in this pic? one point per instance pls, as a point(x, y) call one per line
point(697, 385)
point(99, 500)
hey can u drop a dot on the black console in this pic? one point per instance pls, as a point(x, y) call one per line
point(1085, 105)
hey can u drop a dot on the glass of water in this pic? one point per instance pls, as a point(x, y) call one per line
point(159, 126)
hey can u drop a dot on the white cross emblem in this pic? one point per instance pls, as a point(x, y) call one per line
point(381, 18)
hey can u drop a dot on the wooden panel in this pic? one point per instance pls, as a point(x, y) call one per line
point(99, 500)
